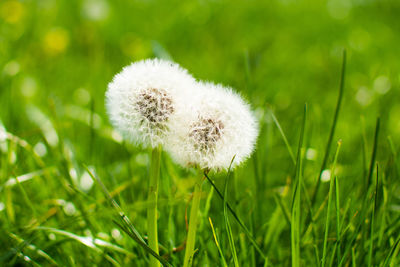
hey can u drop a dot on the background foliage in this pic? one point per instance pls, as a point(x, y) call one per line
point(57, 58)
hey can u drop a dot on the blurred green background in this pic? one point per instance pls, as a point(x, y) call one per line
point(57, 57)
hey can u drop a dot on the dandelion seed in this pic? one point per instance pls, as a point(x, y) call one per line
point(220, 126)
point(145, 97)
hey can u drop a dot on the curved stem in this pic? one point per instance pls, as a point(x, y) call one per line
point(191, 237)
point(152, 202)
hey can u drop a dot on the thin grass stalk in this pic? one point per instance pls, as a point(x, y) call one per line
point(353, 257)
point(374, 207)
point(217, 243)
point(238, 220)
point(330, 138)
point(228, 225)
point(191, 237)
point(338, 228)
point(127, 225)
point(364, 204)
point(296, 199)
point(333, 127)
point(331, 184)
point(152, 201)
point(389, 258)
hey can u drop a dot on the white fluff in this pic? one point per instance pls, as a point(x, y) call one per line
point(145, 97)
point(217, 126)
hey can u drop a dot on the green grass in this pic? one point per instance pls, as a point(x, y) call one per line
point(73, 193)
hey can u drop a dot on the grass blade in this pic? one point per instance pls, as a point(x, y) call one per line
point(217, 243)
point(227, 224)
point(142, 244)
point(93, 243)
point(374, 150)
point(296, 199)
point(236, 217)
point(285, 212)
point(338, 228)
point(333, 127)
point(132, 232)
point(324, 253)
point(364, 204)
point(389, 257)
point(283, 136)
point(371, 244)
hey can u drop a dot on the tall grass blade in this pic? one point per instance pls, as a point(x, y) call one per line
point(283, 208)
point(374, 207)
point(236, 217)
point(374, 151)
point(333, 127)
point(91, 242)
point(389, 256)
point(227, 224)
point(295, 226)
point(142, 244)
point(332, 181)
point(217, 243)
point(191, 234)
point(130, 229)
point(364, 207)
point(338, 227)
point(278, 125)
point(35, 249)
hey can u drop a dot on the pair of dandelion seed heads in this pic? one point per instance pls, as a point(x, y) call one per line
point(155, 102)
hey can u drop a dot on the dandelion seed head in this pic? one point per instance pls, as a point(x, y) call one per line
point(217, 127)
point(155, 106)
point(145, 97)
point(205, 133)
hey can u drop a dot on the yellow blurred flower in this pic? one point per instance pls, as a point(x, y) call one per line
point(12, 11)
point(56, 41)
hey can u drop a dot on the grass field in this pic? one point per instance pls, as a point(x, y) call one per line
point(321, 189)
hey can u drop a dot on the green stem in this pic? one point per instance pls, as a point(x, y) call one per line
point(152, 202)
point(191, 237)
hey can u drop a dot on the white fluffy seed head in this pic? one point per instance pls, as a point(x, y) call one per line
point(145, 97)
point(218, 127)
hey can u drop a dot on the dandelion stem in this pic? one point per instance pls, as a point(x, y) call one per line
point(191, 237)
point(152, 201)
